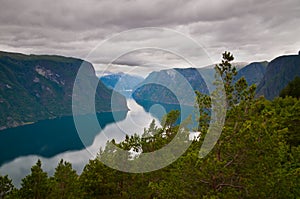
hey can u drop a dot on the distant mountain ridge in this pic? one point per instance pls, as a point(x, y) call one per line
point(270, 79)
point(121, 82)
point(253, 72)
point(161, 86)
point(159, 93)
point(37, 87)
point(279, 73)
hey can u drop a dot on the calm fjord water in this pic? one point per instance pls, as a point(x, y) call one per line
point(55, 139)
point(52, 140)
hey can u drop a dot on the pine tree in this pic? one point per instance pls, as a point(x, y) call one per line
point(6, 186)
point(65, 182)
point(36, 185)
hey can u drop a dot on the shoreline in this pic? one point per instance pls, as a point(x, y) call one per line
point(3, 128)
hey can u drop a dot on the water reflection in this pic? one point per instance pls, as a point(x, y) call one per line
point(158, 110)
point(57, 139)
point(53, 140)
point(49, 137)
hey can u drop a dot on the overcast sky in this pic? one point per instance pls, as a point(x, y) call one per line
point(253, 30)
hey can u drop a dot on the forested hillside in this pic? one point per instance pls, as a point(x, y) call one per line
point(38, 87)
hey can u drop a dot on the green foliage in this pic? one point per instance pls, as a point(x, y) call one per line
point(64, 183)
point(227, 73)
point(245, 161)
point(36, 185)
point(170, 119)
point(204, 104)
point(6, 186)
point(292, 89)
point(288, 112)
point(252, 132)
point(98, 180)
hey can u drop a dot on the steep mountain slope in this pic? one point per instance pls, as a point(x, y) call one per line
point(253, 73)
point(167, 86)
point(121, 82)
point(279, 73)
point(292, 89)
point(151, 88)
point(36, 87)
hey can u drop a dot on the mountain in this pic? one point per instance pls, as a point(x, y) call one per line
point(169, 86)
point(237, 65)
point(292, 89)
point(121, 82)
point(279, 73)
point(149, 91)
point(37, 87)
point(253, 72)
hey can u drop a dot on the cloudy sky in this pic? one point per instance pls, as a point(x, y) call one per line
point(189, 32)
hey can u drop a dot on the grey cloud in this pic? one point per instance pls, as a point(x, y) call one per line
point(252, 29)
point(90, 14)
